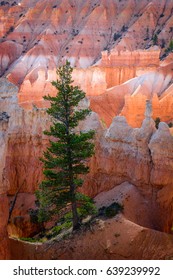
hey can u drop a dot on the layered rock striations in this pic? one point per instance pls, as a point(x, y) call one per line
point(36, 36)
point(127, 236)
point(23, 145)
point(139, 156)
point(111, 45)
point(128, 99)
point(4, 205)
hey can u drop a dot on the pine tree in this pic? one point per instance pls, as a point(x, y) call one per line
point(65, 158)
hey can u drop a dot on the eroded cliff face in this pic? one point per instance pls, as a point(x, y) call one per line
point(39, 35)
point(111, 45)
point(139, 156)
point(22, 145)
point(128, 98)
point(127, 236)
point(4, 205)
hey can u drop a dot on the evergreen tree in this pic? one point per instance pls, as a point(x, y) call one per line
point(64, 159)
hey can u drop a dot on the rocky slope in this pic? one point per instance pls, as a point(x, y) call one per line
point(4, 205)
point(139, 156)
point(115, 36)
point(126, 236)
point(111, 45)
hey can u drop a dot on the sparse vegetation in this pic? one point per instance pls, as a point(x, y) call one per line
point(157, 121)
point(75, 32)
point(124, 28)
point(116, 36)
point(30, 239)
point(155, 39)
point(170, 48)
point(111, 210)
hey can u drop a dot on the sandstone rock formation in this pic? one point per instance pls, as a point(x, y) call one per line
point(4, 205)
point(128, 99)
point(111, 45)
point(134, 155)
point(22, 143)
point(126, 236)
point(141, 156)
point(39, 35)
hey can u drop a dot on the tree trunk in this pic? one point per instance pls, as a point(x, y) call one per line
point(76, 221)
point(14, 202)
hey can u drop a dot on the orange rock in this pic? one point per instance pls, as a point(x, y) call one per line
point(80, 32)
point(4, 205)
point(110, 44)
point(128, 235)
point(4, 242)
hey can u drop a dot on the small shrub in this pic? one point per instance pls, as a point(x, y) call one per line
point(67, 225)
point(57, 229)
point(75, 32)
point(111, 211)
point(155, 39)
point(157, 121)
point(3, 3)
point(171, 45)
point(29, 239)
point(116, 36)
point(33, 215)
point(124, 28)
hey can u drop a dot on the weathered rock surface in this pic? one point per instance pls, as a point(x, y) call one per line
point(140, 156)
point(4, 206)
point(39, 35)
point(123, 237)
point(21, 142)
point(128, 99)
point(111, 45)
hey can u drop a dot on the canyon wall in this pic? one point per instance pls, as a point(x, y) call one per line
point(4, 205)
point(111, 47)
point(140, 156)
point(116, 35)
point(128, 99)
point(127, 236)
point(23, 143)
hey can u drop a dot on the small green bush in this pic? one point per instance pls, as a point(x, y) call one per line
point(157, 121)
point(29, 239)
point(57, 229)
point(111, 211)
